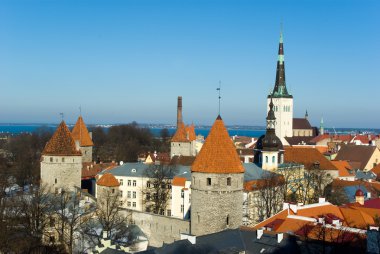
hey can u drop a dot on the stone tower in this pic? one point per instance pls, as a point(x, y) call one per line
point(269, 152)
point(61, 162)
point(183, 140)
point(282, 99)
point(83, 139)
point(217, 184)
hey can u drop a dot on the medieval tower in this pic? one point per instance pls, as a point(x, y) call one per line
point(217, 184)
point(83, 139)
point(61, 162)
point(282, 100)
point(183, 140)
point(269, 152)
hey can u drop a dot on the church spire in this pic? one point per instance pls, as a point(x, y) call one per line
point(280, 90)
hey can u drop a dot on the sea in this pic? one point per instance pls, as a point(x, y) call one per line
point(248, 131)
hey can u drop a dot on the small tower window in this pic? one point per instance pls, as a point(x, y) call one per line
point(266, 159)
point(51, 159)
point(229, 181)
point(63, 159)
point(55, 180)
point(273, 159)
point(208, 181)
point(228, 220)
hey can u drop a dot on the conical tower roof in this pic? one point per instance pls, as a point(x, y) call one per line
point(61, 143)
point(218, 154)
point(80, 133)
point(181, 134)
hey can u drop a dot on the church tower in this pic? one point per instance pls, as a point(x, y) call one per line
point(217, 184)
point(269, 152)
point(282, 99)
point(61, 162)
point(83, 139)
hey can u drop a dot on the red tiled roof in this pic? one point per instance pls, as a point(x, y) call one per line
point(61, 143)
point(344, 167)
point(90, 169)
point(308, 157)
point(108, 180)
point(179, 181)
point(80, 133)
point(218, 154)
point(181, 134)
point(356, 153)
point(190, 130)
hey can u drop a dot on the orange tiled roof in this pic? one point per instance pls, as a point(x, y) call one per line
point(108, 180)
point(190, 130)
point(181, 134)
point(218, 154)
point(61, 143)
point(308, 157)
point(343, 167)
point(91, 169)
point(179, 181)
point(356, 218)
point(80, 133)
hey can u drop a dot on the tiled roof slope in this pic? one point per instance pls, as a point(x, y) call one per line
point(301, 123)
point(181, 134)
point(218, 154)
point(344, 168)
point(308, 157)
point(190, 130)
point(80, 133)
point(61, 143)
point(108, 180)
point(356, 153)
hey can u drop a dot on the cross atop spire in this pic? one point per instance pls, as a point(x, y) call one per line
point(280, 90)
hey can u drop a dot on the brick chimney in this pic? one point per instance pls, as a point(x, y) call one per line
point(179, 111)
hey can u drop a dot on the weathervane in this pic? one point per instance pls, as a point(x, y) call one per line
point(218, 89)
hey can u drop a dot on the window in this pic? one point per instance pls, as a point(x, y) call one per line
point(55, 180)
point(229, 181)
point(162, 211)
point(129, 204)
point(63, 159)
point(134, 204)
point(134, 182)
point(266, 159)
point(148, 184)
point(129, 182)
point(228, 220)
point(148, 196)
point(134, 194)
point(113, 190)
point(51, 159)
point(208, 181)
point(273, 159)
point(147, 209)
point(128, 194)
point(182, 193)
point(182, 208)
point(121, 182)
point(169, 186)
point(169, 212)
point(155, 196)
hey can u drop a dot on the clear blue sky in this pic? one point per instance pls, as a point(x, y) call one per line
point(129, 60)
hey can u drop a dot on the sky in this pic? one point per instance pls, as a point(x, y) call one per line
point(128, 60)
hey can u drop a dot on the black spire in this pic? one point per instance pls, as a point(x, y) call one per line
point(280, 90)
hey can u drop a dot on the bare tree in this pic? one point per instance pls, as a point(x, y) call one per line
point(68, 215)
point(158, 187)
point(269, 197)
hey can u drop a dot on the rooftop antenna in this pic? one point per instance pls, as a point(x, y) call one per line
point(62, 115)
point(218, 89)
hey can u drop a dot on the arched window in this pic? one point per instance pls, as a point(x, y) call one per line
point(273, 159)
point(266, 159)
